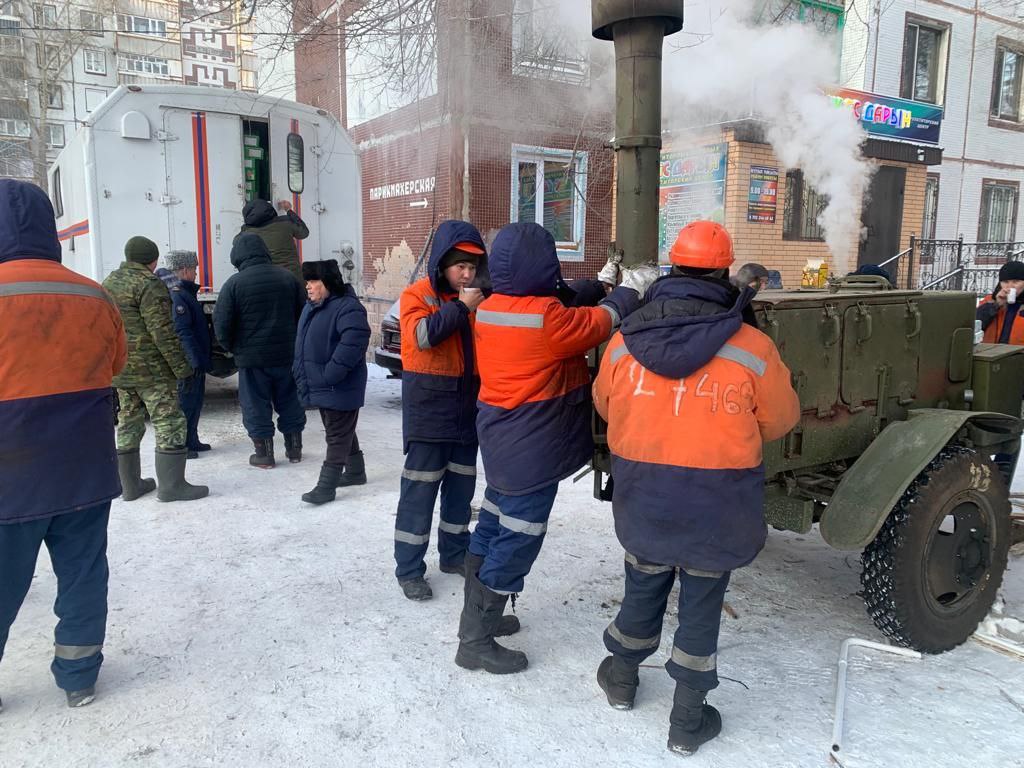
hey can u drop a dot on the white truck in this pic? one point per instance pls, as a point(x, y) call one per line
point(176, 164)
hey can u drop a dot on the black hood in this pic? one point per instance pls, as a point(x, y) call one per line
point(247, 250)
point(450, 233)
point(27, 227)
point(684, 323)
point(258, 212)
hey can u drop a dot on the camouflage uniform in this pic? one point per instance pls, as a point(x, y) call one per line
point(156, 359)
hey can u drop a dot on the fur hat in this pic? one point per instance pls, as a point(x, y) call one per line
point(141, 250)
point(325, 271)
point(175, 260)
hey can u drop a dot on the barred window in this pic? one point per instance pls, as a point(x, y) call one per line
point(931, 207)
point(998, 221)
point(801, 210)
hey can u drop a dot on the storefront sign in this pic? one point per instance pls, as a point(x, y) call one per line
point(692, 187)
point(891, 118)
point(763, 194)
point(403, 188)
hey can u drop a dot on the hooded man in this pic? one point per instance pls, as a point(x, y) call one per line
point(61, 343)
point(588, 293)
point(439, 390)
point(148, 383)
point(278, 232)
point(255, 320)
point(534, 421)
point(999, 313)
point(690, 393)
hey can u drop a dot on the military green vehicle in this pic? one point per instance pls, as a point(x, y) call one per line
point(903, 415)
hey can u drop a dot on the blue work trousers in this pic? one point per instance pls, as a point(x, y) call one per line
point(77, 542)
point(430, 467)
point(261, 391)
point(509, 536)
point(636, 632)
point(191, 393)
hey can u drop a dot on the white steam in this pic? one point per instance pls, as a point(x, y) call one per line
point(724, 66)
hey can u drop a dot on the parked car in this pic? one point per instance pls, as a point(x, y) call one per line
point(389, 353)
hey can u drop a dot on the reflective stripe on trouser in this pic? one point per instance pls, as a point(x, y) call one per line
point(509, 536)
point(161, 402)
point(77, 542)
point(429, 467)
point(635, 634)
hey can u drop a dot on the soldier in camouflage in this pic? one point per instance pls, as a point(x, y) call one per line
point(148, 382)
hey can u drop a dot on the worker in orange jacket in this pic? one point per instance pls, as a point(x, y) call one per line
point(999, 313)
point(690, 393)
point(533, 424)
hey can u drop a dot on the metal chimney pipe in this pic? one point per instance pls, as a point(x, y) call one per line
point(638, 28)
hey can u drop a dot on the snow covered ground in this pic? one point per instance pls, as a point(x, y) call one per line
point(251, 629)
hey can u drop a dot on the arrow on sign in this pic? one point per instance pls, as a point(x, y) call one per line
point(419, 203)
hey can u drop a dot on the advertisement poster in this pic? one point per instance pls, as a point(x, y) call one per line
point(691, 187)
point(763, 194)
point(891, 118)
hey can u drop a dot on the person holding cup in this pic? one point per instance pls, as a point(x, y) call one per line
point(999, 312)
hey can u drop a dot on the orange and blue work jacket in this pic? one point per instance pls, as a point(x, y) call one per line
point(1002, 325)
point(534, 421)
point(690, 394)
point(440, 381)
point(61, 343)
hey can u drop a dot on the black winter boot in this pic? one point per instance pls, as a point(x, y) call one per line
point(133, 485)
point(692, 722)
point(619, 680)
point(264, 456)
point(324, 491)
point(481, 615)
point(170, 476)
point(355, 471)
point(509, 624)
point(293, 447)
point(82, 698)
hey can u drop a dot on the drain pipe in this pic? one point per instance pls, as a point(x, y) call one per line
point(844, 655)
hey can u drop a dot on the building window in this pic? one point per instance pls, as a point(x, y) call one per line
point(45, 15)
point(10, 27)
point(56, 194)
point(931, 207)
point(146, 65)
point(95, 61)
point(543, 49)
point(17, 128)
point(53, 98)
point(548, 188)
point(1006, 83)
point(924, 62)
point(55, 137)
point(91, 22)
point(93, 98)
point(140, 25)
point(16, 160)
point(998, 221)
point(803, 205)
point(47, 56)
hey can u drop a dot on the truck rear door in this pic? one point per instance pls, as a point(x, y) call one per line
point(295, 174)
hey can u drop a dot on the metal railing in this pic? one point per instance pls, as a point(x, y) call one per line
point(951, 265)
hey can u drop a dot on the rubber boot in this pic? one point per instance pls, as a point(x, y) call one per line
point(355, 471)
point(481, 615)
point(170, 476)
point(293, 447)
point(133, 484)
point(264, 456)
point(619, 680)
point(82, 698)
point(692, 722)
point(509, 624)
point(324, 491)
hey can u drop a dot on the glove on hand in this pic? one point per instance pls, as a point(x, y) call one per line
point(640, 278)
point(609, 272)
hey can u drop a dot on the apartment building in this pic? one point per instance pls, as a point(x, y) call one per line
point(58, 61)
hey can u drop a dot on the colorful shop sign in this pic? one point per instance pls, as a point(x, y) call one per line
point(891, 118)
point(691, 187)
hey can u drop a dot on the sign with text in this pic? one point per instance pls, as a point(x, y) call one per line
point(887, 117)
point(402, 188)
point(691, 187)
point(763, 194)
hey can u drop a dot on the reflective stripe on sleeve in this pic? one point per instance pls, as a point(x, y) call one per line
point(432, 301)
point(411, 538)
point(633, 643)
point(510, 319)
point(423, 476)
point(462, 469)
point(744, 358)
point(694, 663)
point(37, 287)
point(650, 568)
point(452, 528)
point(422, 336)
point(516, 525)
point(618, 353)
point(75, 652)
point(616, 320)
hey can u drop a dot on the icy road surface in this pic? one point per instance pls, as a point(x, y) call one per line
point(251, 629)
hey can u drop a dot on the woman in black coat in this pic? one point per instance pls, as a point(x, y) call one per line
point(330, 372)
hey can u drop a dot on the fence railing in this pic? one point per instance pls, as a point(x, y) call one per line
point(951, 265)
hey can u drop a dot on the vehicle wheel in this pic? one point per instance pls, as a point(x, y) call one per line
point(933, 570)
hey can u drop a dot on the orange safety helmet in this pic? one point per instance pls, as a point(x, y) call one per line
point(702, 245)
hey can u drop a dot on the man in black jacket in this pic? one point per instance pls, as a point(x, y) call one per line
point(255, 319)
point(279, 232)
